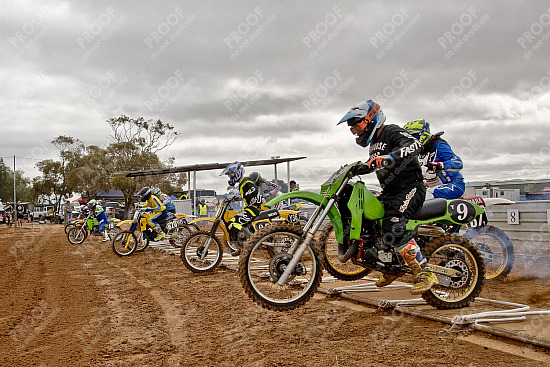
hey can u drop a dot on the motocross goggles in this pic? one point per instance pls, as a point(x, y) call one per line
point(360, 127)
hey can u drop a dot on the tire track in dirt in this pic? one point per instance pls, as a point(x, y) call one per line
point(48, 295)
point(147, 309)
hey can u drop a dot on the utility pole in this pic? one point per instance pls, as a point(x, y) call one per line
point(14, 195)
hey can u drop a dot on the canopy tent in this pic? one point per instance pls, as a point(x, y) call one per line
point(209, 166)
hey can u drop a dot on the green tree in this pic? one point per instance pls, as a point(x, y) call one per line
point(89, 172)
point(134, 146)
point(6, 184)
point(54, 185)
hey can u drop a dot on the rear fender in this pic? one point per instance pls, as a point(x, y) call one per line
point(497, 201)
point(315, 199)
point(459, 212)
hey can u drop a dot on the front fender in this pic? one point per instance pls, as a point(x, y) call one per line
point(212, 220)
point(319, 200)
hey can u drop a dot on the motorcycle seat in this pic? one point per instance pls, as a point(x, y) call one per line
point(165, 217)
point(432, 208)
point(267, 214)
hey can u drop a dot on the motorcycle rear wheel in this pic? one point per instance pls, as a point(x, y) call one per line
point(193, 248)
point(328, 252)
point(496, 248)
point(68, 227)
point(77, 235)
point(260, 266)
point(458, 253)
point(180, 234)
point(124, 243)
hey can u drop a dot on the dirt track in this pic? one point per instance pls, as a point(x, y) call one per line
point(82, 305)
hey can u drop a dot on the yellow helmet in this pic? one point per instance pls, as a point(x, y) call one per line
point(420, 129)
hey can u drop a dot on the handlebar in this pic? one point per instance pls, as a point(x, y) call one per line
point(362, 169)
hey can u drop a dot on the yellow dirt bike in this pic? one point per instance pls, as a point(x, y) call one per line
point(136, 233)
point(202, 252)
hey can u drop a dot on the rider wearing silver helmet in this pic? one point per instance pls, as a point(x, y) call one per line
point(403, 189)
point(251, 197)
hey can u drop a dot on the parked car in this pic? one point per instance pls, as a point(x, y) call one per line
point(46, 213)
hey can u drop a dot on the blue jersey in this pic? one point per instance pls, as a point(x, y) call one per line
point(440, 151)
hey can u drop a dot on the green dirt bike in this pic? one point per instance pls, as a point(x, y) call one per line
point(81, 228)
point(280, 266)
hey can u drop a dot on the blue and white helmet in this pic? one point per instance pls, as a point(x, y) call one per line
point(364, 119)
point(234, 171)
point(92, 204)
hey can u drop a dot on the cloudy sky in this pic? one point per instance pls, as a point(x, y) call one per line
point(244, 80)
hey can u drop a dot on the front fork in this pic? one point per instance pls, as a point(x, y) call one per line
point(209, 240)
point(311, 228)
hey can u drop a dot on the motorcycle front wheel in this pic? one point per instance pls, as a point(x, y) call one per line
point(496, 248)
point(77, 235)
point(124, 243)
point(262, 263)
point(459, 254)
point(142, 241)
point(201, 252)
point(328, 251)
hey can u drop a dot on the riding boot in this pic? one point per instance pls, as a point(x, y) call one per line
point(105, 236)
point(234, 229)
point(424, 278)
point(386, 279)
point(160, 233)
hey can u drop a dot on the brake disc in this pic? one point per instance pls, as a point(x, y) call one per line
point(277, 266)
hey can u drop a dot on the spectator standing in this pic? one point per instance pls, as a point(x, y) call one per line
point(20, 210)
point(180, 194)
point(8, 209)
point(203, 209)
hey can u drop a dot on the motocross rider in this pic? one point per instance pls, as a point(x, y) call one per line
point(442, 175)
point(403, 189)
point(155, 206)
point(251, 197)
point(101, 216)
point(268, 189)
